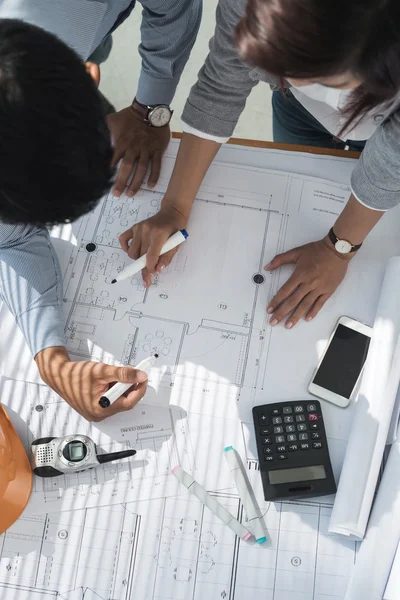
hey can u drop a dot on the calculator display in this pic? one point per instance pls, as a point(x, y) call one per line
point(343, 361)
point(296, 475)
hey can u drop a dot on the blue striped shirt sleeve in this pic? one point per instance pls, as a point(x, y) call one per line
point(31, 285)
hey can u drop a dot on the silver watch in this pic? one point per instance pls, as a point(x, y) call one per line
point(155, 116)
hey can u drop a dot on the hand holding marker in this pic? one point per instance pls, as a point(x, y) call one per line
point(139, 264)
point(120, 388)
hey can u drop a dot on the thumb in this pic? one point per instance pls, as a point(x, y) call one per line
point(286, 258)
point(126, 375)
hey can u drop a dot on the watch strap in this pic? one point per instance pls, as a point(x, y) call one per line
point(333, 238)
point(141, 109)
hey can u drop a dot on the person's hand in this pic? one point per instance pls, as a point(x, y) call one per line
point(319, 271)
point(139, 145)
point(150, 236)
point(82, 383)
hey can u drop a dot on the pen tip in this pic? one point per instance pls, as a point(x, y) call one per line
point(114, 281)
point(156, 356)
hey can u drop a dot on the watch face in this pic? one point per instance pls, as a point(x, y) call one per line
point(160, 116)
point(343, 246)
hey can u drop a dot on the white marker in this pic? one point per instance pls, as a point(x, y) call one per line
point(211, 503)
point(120, 388)
point(139, 264)
point(246, 494)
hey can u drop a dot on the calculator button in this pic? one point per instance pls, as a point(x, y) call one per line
point(282, 456)
point(303, 437)
point(288, 419)
point(266, 431)
point(302, 427)
point(314, 426)
point(312, 417)
point(304, 446)
point(275, 412)
point(268, 450)
point(292, 437)
point(287, 410)
point(267, 440)
point(277, 421)
point(278, 429)
point(315, 435)
point(300, 418)
point(280, 439)
point(268, 458)
point(290, 428)
point(298, 408)
point(281, 448)
point(263, 418)
point(311, 407)
point(293, 447)
point(317, 445)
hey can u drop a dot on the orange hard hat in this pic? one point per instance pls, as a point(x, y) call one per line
point(15, 474)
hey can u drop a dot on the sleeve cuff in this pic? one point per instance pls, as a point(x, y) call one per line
point(205, 136)
point(373, 197)
point(152, 90)
point(43, 327)
point(206, 122)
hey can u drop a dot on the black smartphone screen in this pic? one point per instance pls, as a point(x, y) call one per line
point(343, 361)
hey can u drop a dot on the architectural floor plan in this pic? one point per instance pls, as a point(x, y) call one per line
point(205, 316)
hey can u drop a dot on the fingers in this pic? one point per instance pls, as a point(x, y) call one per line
point(125, 238)
point(141, 169)
point(154, 249)
point(124, 374)
point(286, 258)
point(302, 309)
point(123, 175)
point(165, 260)
point(128, 401)
point(317, 307)
point(137, 246)
point(286, 290)
point(147, 277)
point(288, 305)
point(155, 169)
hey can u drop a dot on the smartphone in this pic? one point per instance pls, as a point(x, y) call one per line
point(338, 372)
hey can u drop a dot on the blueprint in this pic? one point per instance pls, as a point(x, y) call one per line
point(173, 548)
point(205, 316)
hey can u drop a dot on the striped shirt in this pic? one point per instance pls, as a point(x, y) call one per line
point(30, 278)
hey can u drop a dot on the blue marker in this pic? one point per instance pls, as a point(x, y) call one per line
point(246, 494)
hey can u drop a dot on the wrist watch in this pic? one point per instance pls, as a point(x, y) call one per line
point(155, 116)
point(342, 246)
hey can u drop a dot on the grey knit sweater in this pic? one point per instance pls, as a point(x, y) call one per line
point(225, 81)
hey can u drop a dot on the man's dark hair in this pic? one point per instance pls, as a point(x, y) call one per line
point(307, 39)
point(55, 149)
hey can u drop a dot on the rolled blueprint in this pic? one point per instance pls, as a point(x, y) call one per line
point(373, 414)
point(393, 587)
point(376, 557)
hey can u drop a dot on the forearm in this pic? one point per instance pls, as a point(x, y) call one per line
point(50, 362)
point(194, 158)
point(356, 221)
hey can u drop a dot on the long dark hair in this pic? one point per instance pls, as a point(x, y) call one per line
point(306, 39)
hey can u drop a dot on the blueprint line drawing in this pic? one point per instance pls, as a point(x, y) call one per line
point(173, 548)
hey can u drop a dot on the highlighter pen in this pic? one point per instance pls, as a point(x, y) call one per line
point(139, 264)
point(246, 494)
point(216, 508)
point(118, 389)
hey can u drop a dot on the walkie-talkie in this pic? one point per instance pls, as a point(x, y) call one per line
point(52, 456)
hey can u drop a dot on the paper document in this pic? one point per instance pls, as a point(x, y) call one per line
point(392, 591)
point(378, 549)
point(173, 549)
point(375, 404)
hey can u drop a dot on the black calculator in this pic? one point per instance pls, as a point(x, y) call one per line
point(293, 450)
